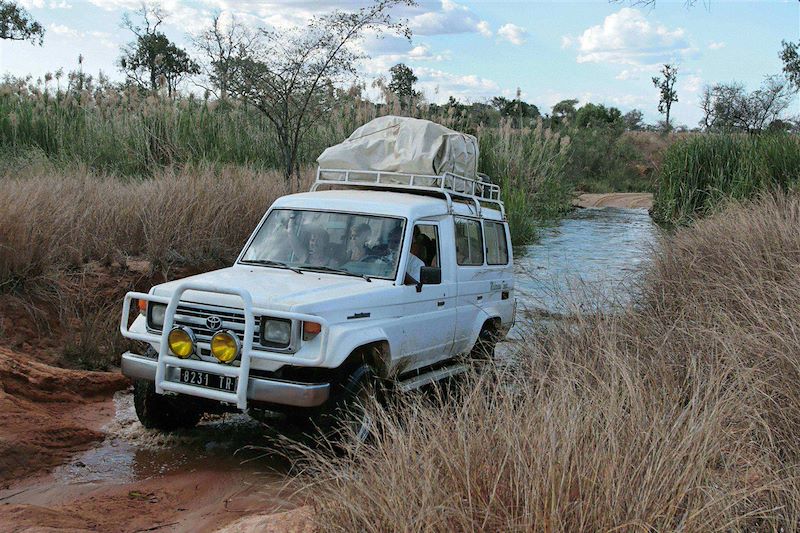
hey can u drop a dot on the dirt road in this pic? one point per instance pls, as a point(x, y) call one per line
point(630, 200)
point(73, 457)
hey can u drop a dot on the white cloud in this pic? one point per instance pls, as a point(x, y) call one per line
point(716, 45)
point(100, 37)
point(113, 5)
point(438, 85)
point(513, 33)
point(691, 83)
point(484, 29)
point(31, 4)
point(450, 18)
point(627, 37)
point(61, 29)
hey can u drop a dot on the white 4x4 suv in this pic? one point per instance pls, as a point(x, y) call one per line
point(368, 279)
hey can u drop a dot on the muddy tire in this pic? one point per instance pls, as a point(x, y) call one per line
point(167, 413)
point(351, 413)
point(483, 351)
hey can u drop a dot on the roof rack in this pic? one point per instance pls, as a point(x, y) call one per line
point(448, 183)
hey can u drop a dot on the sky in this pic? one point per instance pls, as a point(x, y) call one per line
point(594, 51)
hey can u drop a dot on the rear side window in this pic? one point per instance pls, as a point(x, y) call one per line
point(469, 242)
point(496, 244)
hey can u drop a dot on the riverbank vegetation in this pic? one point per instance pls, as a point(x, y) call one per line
point(678, 413)
point(701, 173)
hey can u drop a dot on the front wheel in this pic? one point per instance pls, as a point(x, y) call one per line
point(352, 415)
point(156, 411)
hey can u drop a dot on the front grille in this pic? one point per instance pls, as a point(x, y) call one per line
point(194, 317)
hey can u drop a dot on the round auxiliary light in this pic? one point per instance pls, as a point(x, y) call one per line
point(181, 341)
point(225, 346)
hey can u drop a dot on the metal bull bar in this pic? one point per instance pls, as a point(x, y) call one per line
point(241, 372)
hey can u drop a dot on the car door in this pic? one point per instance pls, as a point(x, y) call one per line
point(430, 310)
point(472, 280)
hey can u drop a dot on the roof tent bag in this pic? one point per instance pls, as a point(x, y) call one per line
point(402, 144)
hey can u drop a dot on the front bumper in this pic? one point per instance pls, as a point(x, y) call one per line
point(258, 389)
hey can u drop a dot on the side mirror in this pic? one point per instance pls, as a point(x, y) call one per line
point(430, 275)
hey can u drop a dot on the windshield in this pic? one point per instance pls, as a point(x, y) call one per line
point(359, 245)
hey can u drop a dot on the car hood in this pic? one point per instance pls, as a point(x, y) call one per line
point(272, 288)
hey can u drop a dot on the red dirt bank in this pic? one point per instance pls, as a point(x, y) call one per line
point(48, 413)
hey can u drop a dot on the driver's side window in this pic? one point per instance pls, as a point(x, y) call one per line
point(424, 249)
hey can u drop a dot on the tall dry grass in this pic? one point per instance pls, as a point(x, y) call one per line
point(54, 220)
point(680, 413)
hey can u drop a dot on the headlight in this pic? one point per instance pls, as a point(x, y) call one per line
point(155, 315)
point(181, 342)
point(276, 332)
point(225, 346)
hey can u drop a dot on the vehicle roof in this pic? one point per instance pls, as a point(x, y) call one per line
point(389, 203)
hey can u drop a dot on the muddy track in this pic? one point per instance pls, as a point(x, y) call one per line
point(73, 457)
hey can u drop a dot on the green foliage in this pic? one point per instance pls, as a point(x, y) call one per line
point(598, 115)
point(601, 158)
point(16, 24)
point(154, 58)
point(563, 111)
point(529, 165)
point(521, 114)
point(791, 62)
point(402, 84)
point(702, 172)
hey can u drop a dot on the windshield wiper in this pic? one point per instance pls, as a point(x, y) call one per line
point(340, 271)
point(267, 262)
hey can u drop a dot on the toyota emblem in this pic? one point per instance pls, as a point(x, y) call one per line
point(214, 322)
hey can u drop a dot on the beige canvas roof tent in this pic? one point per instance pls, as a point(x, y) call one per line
point(408, 145)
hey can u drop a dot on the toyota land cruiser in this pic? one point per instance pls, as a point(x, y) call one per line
point(371, 278)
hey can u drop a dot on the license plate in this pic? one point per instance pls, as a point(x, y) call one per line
point(208, 380)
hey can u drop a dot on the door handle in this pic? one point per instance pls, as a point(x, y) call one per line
point(440, 303)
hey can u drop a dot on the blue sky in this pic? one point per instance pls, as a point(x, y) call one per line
point(591, 50)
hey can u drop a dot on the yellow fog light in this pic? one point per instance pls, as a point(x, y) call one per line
point(225, 346)
point(181, 342)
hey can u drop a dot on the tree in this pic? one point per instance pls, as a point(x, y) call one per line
point(290, 75)
point(729, 107)
point(16, 24)
point(791, 62)
point(667, 93)
point(521, 113)
point(634, 120)
point(564, 111)
point(152, 60)
point(596, 115)
point(219, 44)
point(402, 84)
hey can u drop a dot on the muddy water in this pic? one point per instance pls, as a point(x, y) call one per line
point(232, 442)
point(141, 480)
